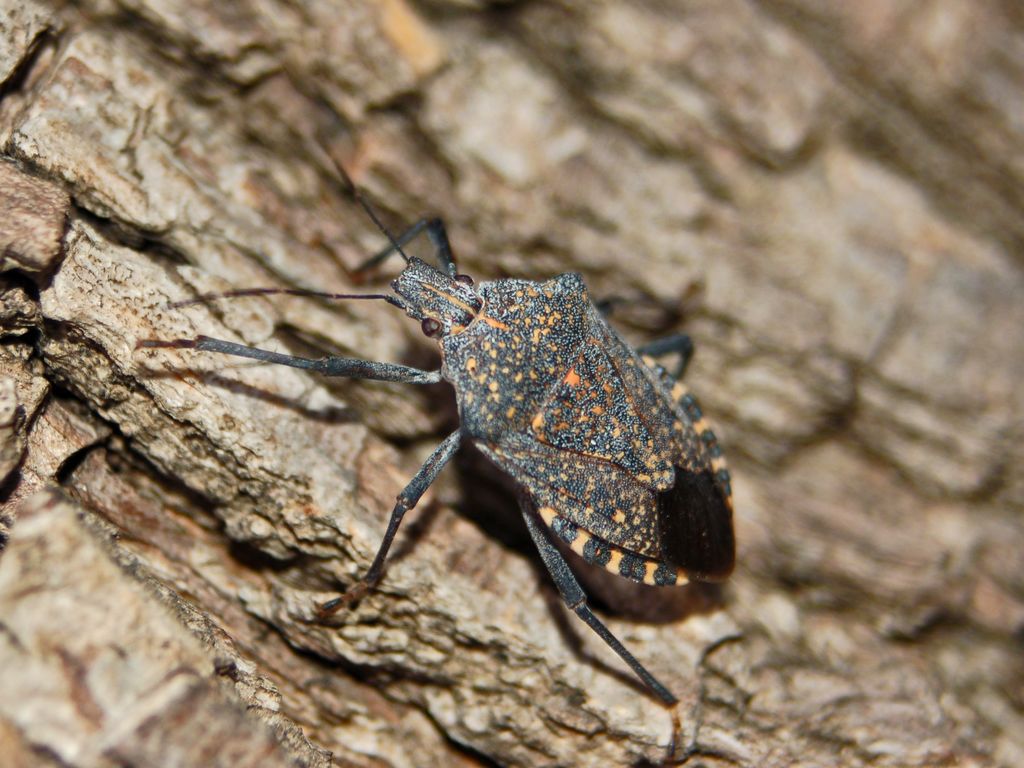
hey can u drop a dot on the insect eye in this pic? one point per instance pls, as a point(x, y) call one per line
point(464, 279)
point(431, 327)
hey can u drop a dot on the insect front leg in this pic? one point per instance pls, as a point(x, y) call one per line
point(438, 236)
point(347, 367)
point(407, 499)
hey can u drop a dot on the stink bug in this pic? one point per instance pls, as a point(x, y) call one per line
point(612, 454)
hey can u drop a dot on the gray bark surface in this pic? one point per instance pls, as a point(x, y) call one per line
point(826, 195)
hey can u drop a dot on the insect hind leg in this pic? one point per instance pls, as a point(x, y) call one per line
point(576, 599)
point(436, 233)
point(678, 343)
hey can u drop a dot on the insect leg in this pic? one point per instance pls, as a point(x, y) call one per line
point(679, 343)
point(438, 237)
point(406, 500)
point(606, 305)
point(576, 599)
point(348, 367)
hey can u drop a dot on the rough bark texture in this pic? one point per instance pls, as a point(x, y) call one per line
point(826, 195)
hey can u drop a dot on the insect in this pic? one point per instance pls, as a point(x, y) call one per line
point(611, 453)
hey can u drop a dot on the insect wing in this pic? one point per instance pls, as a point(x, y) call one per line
point(695, 525)
point(694, 514)
point(598, 496)
point(624, 475)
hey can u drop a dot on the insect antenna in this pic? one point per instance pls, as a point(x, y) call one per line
point(207, 298)
point(357, 194)
point(352, 189)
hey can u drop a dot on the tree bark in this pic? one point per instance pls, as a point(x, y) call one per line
point(826, 196)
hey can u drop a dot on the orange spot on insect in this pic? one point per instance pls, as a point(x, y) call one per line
point(538, 422)
point(471, 364)
point(494, 323)
point(572, 378)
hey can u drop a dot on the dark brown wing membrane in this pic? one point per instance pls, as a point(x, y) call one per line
point(695, 526)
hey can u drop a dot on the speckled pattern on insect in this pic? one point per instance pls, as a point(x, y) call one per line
point(612, 454)
point(596, 435)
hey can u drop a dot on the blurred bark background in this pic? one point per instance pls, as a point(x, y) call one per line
point(826, 195)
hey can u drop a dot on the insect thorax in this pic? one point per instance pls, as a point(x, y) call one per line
point(527, 336)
